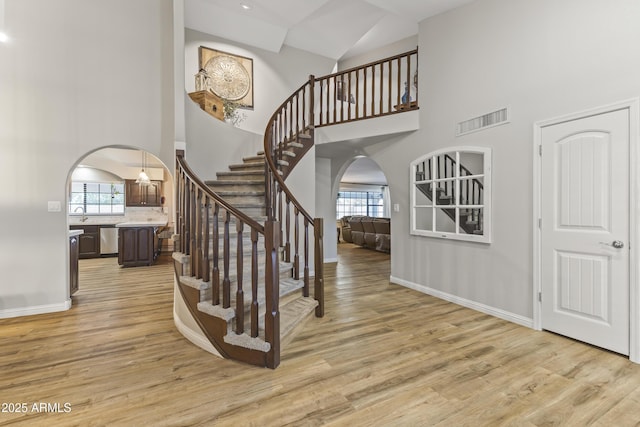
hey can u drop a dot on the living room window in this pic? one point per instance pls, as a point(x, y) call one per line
point(365, 203)
point(96, 198)
point(451, 194)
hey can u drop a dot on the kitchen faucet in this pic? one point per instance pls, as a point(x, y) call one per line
point(84, 217)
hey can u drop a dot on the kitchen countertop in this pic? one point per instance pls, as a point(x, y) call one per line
point(75, 232)
point(141, 224)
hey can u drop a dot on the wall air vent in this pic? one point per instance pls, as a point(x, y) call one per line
point(488, 120)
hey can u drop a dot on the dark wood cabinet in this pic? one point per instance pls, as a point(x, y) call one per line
point(136, 246)
point(73, 264)
point(143, 195)
point(89, 241)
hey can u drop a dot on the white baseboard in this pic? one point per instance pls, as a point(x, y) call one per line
point(330, 260)
point(36, 309)
point(496, 312)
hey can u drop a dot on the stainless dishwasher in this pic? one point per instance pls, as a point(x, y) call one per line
point(108, 240)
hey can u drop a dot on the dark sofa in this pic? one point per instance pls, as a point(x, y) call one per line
point(372, 233)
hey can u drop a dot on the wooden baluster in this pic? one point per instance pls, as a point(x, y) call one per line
point(382, 87)
point(305, 287)
point(272, 296)
point(207, 229)
point(408, 80)
point(357, 96)
point(254, 283)
point(187, 218)
point(335, 98)
point(301, 110)
point(226, 282)
point(239, 273)
point(268, 178)
point(364, 92)
point(181, 214)
point(326, 110)
point(312, 102)
point(343, 96)
point(390, 108)
point(296, 239)
point(198, 234)
point(290, 104)
point(373, 90)
point(318, 291)
point(215, 273)
point(320, 120)
point(193, 250)
point(279, 218)
point(349, 96)
point(287, 245)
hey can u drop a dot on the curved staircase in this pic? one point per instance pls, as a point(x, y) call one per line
point(243, 253)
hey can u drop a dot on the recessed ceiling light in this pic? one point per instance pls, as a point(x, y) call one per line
point(245, 6)
point(3, 37)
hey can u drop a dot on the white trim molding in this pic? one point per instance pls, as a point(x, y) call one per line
point(195, 337)
point(36, 309)
point(633, 106)
point(483, 308)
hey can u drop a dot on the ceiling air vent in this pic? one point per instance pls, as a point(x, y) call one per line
point(488, 120)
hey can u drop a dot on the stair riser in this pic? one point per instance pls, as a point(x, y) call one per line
point(243, 199)
point(248, 167)
point(241, 176)
point(232, 185)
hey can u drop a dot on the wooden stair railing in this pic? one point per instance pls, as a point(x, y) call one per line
point(288, 136)
point(372, 90)
point(200, 213)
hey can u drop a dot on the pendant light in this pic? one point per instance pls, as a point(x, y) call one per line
point(143, 178)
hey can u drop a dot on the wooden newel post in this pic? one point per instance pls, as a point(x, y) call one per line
point(318, 292)
point(272, 293)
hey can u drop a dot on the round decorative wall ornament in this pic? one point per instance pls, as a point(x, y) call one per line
point(228, 78)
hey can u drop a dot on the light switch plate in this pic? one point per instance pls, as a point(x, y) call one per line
point(396, 207)
point(54, 206)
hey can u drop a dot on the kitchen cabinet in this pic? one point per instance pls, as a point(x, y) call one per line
point(73, 264)
point(89, 241)
point(143, 195)
point(137, 246)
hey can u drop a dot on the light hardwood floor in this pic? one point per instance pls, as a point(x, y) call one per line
point(383, 355)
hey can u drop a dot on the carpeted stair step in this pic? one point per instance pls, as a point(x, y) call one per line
point(241, 176)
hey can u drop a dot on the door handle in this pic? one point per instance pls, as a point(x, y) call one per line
point(618, 244)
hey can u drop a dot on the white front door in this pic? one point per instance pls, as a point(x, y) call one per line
point(584, 249)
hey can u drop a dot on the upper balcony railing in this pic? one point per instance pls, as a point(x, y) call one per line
point(376, 89)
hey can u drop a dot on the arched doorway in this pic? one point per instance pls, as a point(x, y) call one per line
point(362, 199)
point(104, 192)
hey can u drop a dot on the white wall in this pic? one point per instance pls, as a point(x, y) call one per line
point(541, 59)
point(325, 209)
point(78, 75)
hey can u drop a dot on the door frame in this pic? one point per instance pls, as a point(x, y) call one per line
point(633, 105)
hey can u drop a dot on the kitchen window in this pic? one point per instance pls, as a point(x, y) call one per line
point(96, 198)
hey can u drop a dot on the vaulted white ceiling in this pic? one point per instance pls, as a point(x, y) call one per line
point(333, 28)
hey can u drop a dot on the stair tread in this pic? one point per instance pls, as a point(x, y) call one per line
point(235, 182)
point(240, 193)
point(239, 173)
